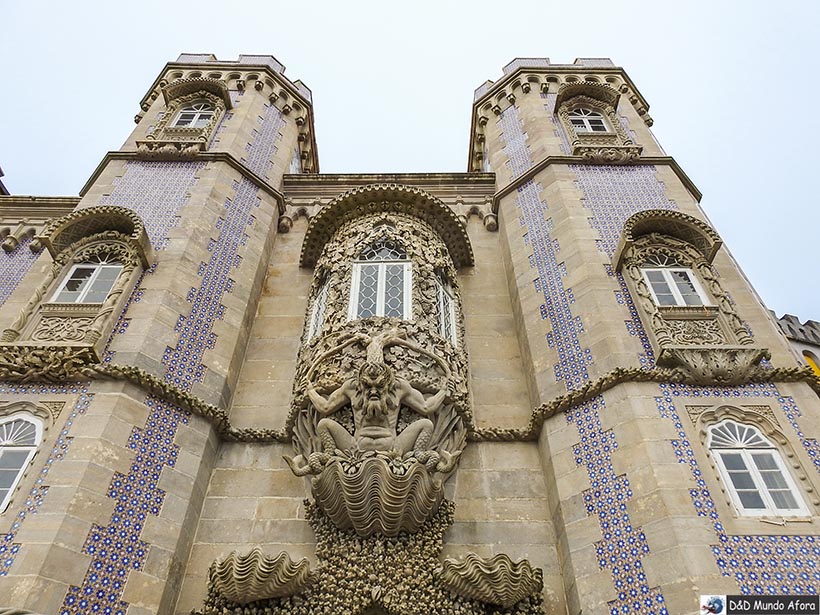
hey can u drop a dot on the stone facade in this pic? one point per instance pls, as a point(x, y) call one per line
point(232, 384)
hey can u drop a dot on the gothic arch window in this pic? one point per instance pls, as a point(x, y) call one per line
point(195, 115)
point(318, 309)
point(584, 119)
point(20, 435)
point(752, 468)
point(381, 282)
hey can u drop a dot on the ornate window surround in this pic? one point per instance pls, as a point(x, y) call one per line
point(711, 341)
point(791, 455)
point(60, 332)
point(383, 267)
point(167, 140)
point(614, 146)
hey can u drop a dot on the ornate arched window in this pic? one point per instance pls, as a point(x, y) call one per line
point(317, 309)
point(752, 468)
point(446, 310)
point(381, 282)
point(195, 115)
point(20, 434)
point(670, 283)
point(584, 119)
point(89, 281)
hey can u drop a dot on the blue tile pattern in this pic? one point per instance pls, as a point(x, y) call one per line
point(760, 564)
point(263, 147)
point(515, 141)
point(623, 545)
point(14, 267)
point(8, 547)
point(156, 191)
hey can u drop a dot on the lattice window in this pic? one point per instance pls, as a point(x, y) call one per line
point(195, 115)
point(381, 282)
point(446, 310)
point(317, 311)
point(587, 120)
point(752, 468)
point(90, 281)
point(20, 434)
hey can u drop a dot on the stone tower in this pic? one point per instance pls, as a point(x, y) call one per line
point(231, 384)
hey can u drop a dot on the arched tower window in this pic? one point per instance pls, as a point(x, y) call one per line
point(20, 434)
point(195, 115)
point(670, 283)
point(587, 120)
point(381, 282)
point(752, 468)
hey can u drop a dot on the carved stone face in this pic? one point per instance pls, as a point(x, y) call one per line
point(375, 388)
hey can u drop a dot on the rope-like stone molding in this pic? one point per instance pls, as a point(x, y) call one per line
point(620, 375)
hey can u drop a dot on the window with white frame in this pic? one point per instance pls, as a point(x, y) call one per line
point(317, 310)
point(90, 281)
point(196, 115)
point(752, 468)
point(587, 120)
point(381, 282)
point(671, 284)
point(20, 434)
point(445, 310)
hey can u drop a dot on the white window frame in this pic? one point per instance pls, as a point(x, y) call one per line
point(407, 307)
point(673, 286)
point(205, 113)
point(446, 310)
point(32, 450)
point(318, 310)
point(747, 454)
point(585, 120)
point(98, 268)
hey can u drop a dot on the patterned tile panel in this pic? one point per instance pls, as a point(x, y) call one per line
point(8, 547)
point(515, 141)
point(14, 266)
point(264, 145)
point(761, 564)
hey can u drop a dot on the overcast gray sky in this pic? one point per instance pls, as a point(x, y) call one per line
point(732, 89)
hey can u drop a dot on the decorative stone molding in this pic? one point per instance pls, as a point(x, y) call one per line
point(695, 332)
point(671, 223)
point(495, 580)
point(15, 611)
point(721, 365)
point(387, 198)
point(255, 576)
point(599, 92)
point(613, 154)
point(193, 85)
point(379, 574)
point(29, 363)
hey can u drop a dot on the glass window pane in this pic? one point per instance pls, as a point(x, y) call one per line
point(733, 461)
point(394, 291)
point(74, 285)
point(765, 461)
point(751, 500)
point(742, 480)
point(368, 281)
point(784, 500)
point(13, 459)
point(686, 288)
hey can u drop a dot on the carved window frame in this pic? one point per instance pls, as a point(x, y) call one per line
point(166, 130)
point(793, 461)
point(42, 420)
point(581, 141)
point(207, 113)
point(318, 309)
point(446, 310)
point(77, 325)
point(97, 271)
point(669, 279)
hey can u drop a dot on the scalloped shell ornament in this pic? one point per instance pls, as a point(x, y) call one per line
point(493, 580)
point(377, 495)
point(255, 576)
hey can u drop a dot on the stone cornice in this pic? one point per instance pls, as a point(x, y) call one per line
point(37, 206)
point(202, 157)
point(666, 161)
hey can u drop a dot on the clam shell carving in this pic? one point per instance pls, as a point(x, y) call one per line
point(494, 580)
point(377, 495)
point(255, 576)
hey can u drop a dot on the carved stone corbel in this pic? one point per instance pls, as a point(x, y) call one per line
point(255, 576)
point(494, 580)
point(716, 365)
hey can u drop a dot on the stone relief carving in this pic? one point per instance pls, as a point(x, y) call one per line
point(695, 332)
point(613, 154)
point(494, 580)
point(722, 365)
point(61, 329)
point(385, 574)
point(43, 363)
point(613, 147)
point(255, 576)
